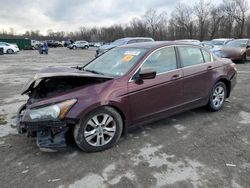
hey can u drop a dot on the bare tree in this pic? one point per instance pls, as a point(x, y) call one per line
point(137, 27)
point(154, 21)
point(216, 16)
point(182, 21)
point(237, 9)
point(201, 10)
point(200, 21)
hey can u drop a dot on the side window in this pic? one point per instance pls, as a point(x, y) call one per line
point(147, 40)
point(190, 56)
point(206, 55)
point(161, 61)
point(132, 41)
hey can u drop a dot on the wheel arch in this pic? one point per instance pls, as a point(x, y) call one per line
point(114, 105)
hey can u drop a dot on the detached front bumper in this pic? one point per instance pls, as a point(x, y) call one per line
point(50, 134)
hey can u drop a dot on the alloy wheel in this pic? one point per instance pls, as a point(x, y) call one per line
point(218, 96)
point(100, 130)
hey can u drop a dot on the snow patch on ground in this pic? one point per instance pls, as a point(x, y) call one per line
point(174, 170)
point(245, 117)
point(180, 171)
point(148, 154)
point(8, 110)
point(179, 127)
point(89, 181)
point(109, 176)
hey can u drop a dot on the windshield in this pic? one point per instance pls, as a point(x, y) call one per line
point(217, 42)
point(116, 62)
point(237, 44)
point(119, 42)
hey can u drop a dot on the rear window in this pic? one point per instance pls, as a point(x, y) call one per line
point(190, 55)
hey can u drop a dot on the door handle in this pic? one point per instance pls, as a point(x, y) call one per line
point(176, 76)
point(209, 67)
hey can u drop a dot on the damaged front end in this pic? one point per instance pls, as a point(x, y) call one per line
point(48, 121)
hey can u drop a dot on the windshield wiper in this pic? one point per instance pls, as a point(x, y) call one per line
point(93, 71)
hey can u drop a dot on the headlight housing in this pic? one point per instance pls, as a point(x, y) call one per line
point(48, 113)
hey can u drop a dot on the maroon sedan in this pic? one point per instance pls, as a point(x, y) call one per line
point(127, 86)
point(237, 50)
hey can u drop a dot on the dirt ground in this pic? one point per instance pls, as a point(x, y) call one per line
point(193, 149)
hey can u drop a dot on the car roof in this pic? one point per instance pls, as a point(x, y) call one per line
point(5, 43)
point(131, 38)
point(188, 40)
point(219, 39)
point(156, 44)
point(241, 39)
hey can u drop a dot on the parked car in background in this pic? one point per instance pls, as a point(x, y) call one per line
point(207, 45)
point(218, 44)
point(54, 44)
point(68, 42)
point(237, 50)
point(9, 48)
point(51, 43)
point(127, 86)
point(35, 44)
point(129, 40)
point(79, 44)
point(58, 44)
point(91, 44)
point(97, 44)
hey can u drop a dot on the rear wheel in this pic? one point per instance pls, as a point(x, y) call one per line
point(217, 97)
point(99, 130)
point(10, 51)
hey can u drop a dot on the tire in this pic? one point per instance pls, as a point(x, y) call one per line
point(217, 97)
point(10, 51)
point(99, 130)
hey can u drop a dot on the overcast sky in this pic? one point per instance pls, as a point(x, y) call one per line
point(69, 15)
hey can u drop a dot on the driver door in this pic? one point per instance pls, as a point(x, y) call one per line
point(155, 96)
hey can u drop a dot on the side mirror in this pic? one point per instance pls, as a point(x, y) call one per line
point(147, 74)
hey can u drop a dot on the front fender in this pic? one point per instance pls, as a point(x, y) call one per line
point(80, 110)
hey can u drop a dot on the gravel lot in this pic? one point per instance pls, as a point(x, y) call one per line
point(193, 149)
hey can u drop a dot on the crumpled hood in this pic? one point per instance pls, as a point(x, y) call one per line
point(58, 72)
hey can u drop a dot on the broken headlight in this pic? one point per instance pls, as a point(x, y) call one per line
point(52, 112)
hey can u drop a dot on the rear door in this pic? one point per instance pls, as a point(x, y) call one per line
point(198, 73)
point(157, 95)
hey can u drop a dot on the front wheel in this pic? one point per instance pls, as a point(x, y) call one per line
point(10, 51)
point(99, 130)
point(217, 97)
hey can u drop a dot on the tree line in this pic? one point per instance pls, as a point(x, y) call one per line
point(203, 21)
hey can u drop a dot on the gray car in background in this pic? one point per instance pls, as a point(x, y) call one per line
point(122, 41)
point(79, 44)
point(218, 44)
